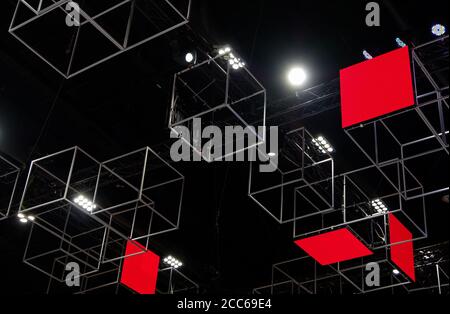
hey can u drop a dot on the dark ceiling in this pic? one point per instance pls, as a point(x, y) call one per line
point(226, 242)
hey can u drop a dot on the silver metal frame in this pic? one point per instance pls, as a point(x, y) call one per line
point(14, 173)
point(222, 66)
point(40, 12)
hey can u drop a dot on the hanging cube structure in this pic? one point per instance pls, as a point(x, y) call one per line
point(9, 176)
point(73, 37)
point(217, 93)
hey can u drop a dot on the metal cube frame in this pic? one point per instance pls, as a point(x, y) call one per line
point(357, 214)
point(221, 96)
point(292, 273)
point(164, 17)
point(55, 181)
point(9, 177)
point(300, 167)
point(147, 182)
point(429, 116)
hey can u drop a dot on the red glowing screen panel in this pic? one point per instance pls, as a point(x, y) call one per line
point(376, 87)
point(333, 247)
point(402, 254)
point(139, 272)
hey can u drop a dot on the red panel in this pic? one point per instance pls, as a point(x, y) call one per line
point(402, 254)
point(333, 247)
point(376, 87)
point(140, 272)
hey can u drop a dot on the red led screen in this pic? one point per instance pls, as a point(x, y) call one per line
point(402, 254)
point(376, 87)
point(333, 247)
point(140, 272)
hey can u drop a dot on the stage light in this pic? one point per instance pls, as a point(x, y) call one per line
point(438, 30)
point(400, 42)
point(84, 203)
point(172, 262)
point(297, 76)
point(24, 219)
point(367, 55)
point(379, 206)
point(322, 145)
point(396, 272)
point(190, 57)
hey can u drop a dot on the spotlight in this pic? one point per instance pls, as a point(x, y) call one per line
point(24, 219)
point(322, 145)
point(84, 203)
point(233, 61)
point(400, 42)
point(296, 76)
point(191, 57)
point(396, 272)
point(379, 206)
point(367, 55)
point(172, 262)
point(438, 30)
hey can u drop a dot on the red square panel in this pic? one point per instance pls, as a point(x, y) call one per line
point(402, 254)
point(333, 247)
point(140, 272)
point(376, 87)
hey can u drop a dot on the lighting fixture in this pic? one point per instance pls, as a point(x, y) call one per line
point(367, 55)
point(438, 30)
point(400, 42)
point(172, 262)
point(379, 206)
point(297, 76)
point(85, 203)
point(24, 219)
point(190, 57)
point(323, 145)
point(235, 62)
point(396, 272)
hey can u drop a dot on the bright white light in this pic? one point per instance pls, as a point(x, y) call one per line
point(271, 154)
point(23, 220)
point(400, 42)
point(189, 57)
point(438, 30)
point(31, 218)
point(395, 272)
point(367, 55)
point(20, 215)
point(236, 66)
point(172, 262)
point(379, 206)
point(323, 145)
point(297, 76)
point(84, 203)
point(227, 49)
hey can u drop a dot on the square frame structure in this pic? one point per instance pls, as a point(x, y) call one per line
point(213, 93)
point(9, 177)
point(110, 25)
